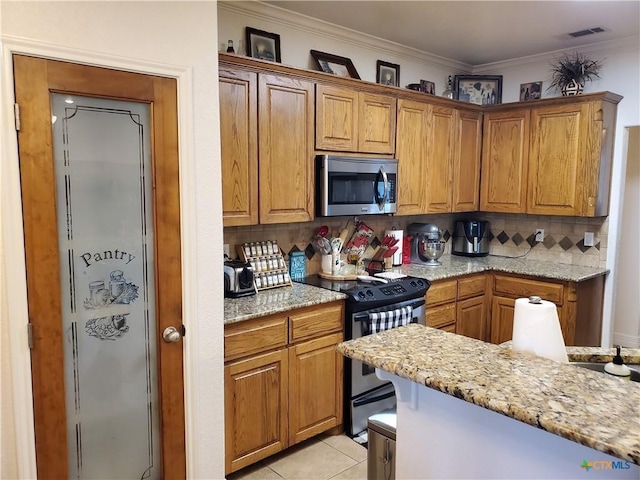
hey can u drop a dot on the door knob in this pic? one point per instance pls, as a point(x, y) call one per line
point(171, 335)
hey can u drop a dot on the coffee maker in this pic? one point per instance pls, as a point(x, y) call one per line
point(471, 238)
point(426, 244)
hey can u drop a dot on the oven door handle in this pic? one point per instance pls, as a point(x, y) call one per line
point(373, 398)
point(364, 316)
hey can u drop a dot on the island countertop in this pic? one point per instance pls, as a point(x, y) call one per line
point(590, 408)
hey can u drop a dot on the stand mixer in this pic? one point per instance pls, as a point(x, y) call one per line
point(427, 245)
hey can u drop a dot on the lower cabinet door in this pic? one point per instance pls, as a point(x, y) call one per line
point(471, 318)
point(315, 387)
point(502, 311)
point(256, 401)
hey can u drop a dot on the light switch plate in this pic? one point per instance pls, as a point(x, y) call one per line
point(588, 239)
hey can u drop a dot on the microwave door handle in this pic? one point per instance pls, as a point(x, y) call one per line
point(381, 201)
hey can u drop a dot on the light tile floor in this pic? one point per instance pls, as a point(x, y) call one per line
point(325, 457)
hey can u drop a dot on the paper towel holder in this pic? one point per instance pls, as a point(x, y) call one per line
point(535, 299)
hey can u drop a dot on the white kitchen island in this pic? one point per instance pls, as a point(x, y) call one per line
point(469, 409)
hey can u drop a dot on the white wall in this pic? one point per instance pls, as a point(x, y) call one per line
point(173, 38)
point(620, 74)
point(627, 305)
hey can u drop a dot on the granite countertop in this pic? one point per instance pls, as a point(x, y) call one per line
point(587, 407)
point(454, 266)
point(276, 300)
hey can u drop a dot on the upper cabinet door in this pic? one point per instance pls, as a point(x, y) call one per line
point(505, 154)
point(411, 151)
point(439, 161)
point(558, 160)
point(377, 124)
point(239, 146)
point(466, 165)
point(285, 126)
point(336, 119)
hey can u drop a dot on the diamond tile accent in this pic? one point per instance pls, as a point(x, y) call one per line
point(598, 246)
point(293, 249)
point(503, 237)
point(566, 243)
point(531, 240)
point(583, 248)
point(491, 235)
point(517, 239)
point(549, 241)
point(309, 252)
point(446, 235)
point(375, 243)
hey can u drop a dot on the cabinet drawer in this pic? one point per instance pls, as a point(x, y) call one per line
point(471, 286)
point(523, 287)
point(441, 292)
point(442, 315)
point(254, 336)
point(314, 321)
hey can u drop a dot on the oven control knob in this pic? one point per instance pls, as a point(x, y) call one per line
point(370, 293)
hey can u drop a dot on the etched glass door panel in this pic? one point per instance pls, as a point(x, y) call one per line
point(105, 223)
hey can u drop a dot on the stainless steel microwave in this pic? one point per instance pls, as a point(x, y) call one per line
point(355, 186)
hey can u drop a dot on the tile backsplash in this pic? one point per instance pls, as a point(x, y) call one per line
point(511, 235)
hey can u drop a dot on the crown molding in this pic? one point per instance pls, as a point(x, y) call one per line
point(601, 48)
point(304, 23)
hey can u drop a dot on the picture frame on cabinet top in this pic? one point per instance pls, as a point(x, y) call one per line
point(263, 45)
point(340, 66)
point(478, 89)
point(530, 91)
point(427, 87)
point(387, 73)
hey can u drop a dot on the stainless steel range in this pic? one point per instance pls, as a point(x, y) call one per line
point(371, 308)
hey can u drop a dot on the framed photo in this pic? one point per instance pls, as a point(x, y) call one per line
point(263, 45)
point(387, 73)
point(341, 66)
point(530, 91)
point(478, 89)
point(427, 87)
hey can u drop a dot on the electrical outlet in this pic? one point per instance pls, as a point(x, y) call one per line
point(226, 249)
point(539, 234)
point(588, 239)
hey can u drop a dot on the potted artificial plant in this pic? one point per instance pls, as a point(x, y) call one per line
point(570, 73)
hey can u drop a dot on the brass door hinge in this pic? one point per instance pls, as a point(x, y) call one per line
point(16, 115)
point(30, 335)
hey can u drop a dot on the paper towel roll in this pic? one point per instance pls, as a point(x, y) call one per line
point(397, 234)
point(536, 329)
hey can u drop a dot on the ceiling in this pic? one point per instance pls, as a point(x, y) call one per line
point(479, 32)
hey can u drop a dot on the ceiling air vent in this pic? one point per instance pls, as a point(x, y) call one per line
point(588, 31)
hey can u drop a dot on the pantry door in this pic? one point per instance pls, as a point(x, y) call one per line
point(100, 193)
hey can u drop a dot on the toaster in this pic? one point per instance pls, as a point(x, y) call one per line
point(238, 279)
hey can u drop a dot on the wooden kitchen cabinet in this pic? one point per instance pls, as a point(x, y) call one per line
point(440, 310)
point(239, 146)
point(467, 160)
point(438, 151)
point(352, 121)
point(414, 123)
point(286, 166)
point(256, 400)
point(260, 164)
point(471, 307)
point(283, 381)
point(553, 158)
point(315, 387)
point(505, 155)
point(438, 185)
point(579, 306)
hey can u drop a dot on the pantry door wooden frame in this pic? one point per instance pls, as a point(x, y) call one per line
point(35, 78)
